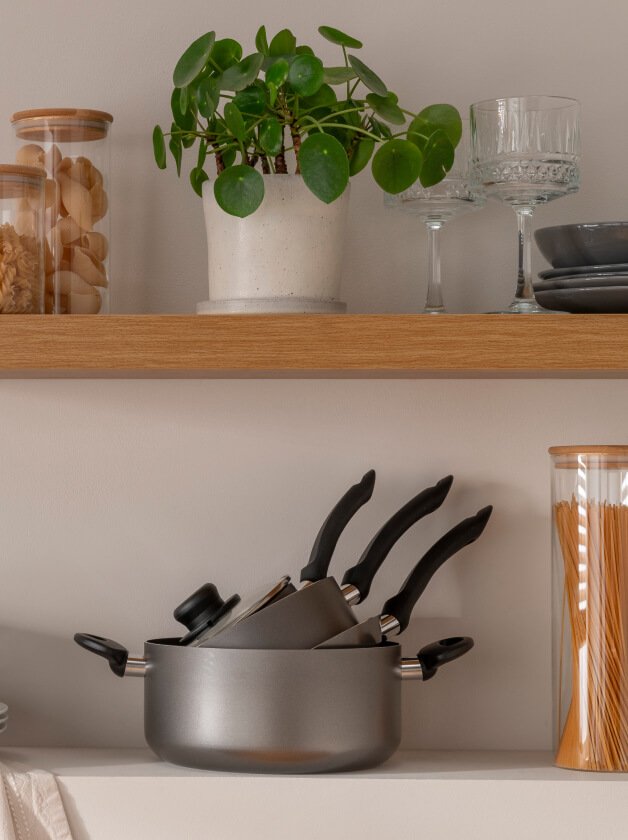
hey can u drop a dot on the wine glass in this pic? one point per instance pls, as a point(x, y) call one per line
point(525, 151)
point(454, 196)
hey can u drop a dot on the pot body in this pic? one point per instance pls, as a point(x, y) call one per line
point(287, 256)
point(275, 711)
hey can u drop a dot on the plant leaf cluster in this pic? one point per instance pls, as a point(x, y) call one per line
point(247, 111)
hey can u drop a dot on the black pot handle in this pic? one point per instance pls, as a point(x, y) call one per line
point(332, 528)
point(464, 533)
point(434, 656)
point(115, 653)
point(427, 501)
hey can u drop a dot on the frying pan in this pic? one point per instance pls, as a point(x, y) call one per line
point(322, 609)
point(321, 554)
point(397, 610)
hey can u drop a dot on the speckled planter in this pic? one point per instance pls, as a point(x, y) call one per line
point(285, 257)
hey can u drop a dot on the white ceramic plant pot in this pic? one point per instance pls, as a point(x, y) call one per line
point(285, 257)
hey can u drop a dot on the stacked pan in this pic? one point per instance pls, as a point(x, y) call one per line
point(589, 267)
point(289, 680)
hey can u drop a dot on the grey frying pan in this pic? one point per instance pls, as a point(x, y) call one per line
point(397, 610)
point(321, 555)
point(322, 608)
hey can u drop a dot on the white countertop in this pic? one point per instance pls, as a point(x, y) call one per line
point(130, 795)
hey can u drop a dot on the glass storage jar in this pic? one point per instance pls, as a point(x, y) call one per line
point(21, 239)
point(72, 146)
point(590, 615)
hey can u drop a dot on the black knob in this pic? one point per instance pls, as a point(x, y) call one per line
point(203, 609)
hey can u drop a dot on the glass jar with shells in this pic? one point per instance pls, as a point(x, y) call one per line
point(72, 146)
point(22, 241)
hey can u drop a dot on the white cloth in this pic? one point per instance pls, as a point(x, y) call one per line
point(30, 805)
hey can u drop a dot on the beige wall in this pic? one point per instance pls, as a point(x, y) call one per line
point(117, 498)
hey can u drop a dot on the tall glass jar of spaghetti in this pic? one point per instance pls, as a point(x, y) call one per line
point(590, 615)
point(72, 146)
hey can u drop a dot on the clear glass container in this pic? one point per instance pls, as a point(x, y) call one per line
point(22, 242)
point(72, 146)
point(590, 606)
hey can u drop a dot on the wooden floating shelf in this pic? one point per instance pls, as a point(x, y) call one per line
point(382, 346)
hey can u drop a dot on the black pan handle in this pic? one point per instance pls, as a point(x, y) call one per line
point(427, 501)
point(329, 534)
point(434, 656)
point(401, 605)
point(115, 653)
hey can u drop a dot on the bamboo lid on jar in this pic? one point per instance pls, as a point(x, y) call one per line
point(614, 456)
point(17, 181)
point(64, 125)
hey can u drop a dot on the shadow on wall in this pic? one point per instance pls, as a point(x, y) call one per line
point(48, 711)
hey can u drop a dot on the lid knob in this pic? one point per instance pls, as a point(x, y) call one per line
point(203, 609)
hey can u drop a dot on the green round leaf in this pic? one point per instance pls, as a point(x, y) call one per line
point(228, 157)
point(277, 73)
point(183, 119)
point(234, 121)
point(239, 190)
point(340, 38)
point(339, 75)
point(202, 154)
point(207, 97)
point(284, 43)
point(324, 166)
point(361, 155)
point(261, 41)
point(443, 117)
point(197, 178)
point(396, 165)
point(176, 148)
point(368, 77)
point(159, 147)
point(272, 93)
point(438, 158)
point(252, 100)
point(386, 108)
point(303, 49)
point(306, 75)
point(242, 74)
point(226, 52)
point(271, 135)
point(324, 96)
point(184, 99)
point(188, 140)
point(381, 129)
point(193, 60)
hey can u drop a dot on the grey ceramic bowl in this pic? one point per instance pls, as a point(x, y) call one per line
point(596, 243)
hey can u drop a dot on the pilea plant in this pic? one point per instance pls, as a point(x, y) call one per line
point(249, 112)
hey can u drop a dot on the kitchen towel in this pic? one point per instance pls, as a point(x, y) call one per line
point(30, 805)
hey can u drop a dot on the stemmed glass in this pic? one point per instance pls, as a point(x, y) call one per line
point(525, 151)
point(454, 196)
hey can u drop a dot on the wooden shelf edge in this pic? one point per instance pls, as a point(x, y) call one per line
point(381, 346)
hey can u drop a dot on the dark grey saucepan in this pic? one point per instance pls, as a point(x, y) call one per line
point(322, 608)
point(275, 711)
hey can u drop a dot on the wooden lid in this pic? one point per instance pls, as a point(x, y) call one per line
point(52, 113)
point(599, 456)
point(589, 449)
point(62, 125)
point(26, 171)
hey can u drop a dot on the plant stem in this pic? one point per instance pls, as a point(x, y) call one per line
point(355, 128)
point(344, 52)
